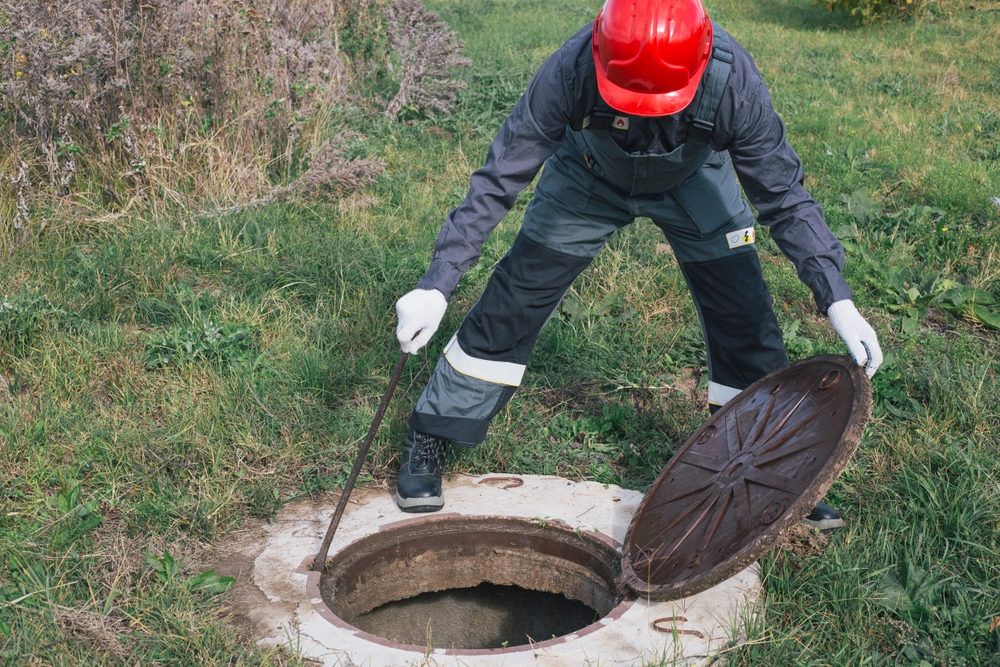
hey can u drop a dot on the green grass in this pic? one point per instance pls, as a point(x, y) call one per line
point(125, 428)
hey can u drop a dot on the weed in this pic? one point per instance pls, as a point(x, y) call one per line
point(427, 54)
point(220, 343)
point(870, 10)
point(797, 345)
point(144, 96)
point(894, 84)
point(21, 322)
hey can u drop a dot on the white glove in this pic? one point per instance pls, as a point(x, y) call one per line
point(420, 313)
point(857, 333)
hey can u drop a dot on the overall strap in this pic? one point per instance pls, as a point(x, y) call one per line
point(713, 84)
point(601, 118)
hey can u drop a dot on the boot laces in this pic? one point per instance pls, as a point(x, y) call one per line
point(429, 452)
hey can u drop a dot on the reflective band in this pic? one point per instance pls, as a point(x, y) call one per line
point(720, 394)
point(497, 372)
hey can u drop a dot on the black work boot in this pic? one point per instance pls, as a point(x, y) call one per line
point(418, 486)
point(825, 519)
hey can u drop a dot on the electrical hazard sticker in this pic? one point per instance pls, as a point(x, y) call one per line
point(620, 123)
point(741, 237)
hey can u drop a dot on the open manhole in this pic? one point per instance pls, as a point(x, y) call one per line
point(576, 571)
point(549, 544)
point(473, 583)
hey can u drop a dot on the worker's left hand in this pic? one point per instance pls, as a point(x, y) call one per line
point(857, 333)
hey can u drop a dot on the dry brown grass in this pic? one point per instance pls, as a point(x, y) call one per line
point(115, 106)
point(87, 625)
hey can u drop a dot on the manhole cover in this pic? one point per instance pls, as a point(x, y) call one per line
point(759, 464)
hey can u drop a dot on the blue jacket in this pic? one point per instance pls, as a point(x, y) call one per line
point(564, 91)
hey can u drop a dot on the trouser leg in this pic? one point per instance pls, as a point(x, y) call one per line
point(742, 335)
point(483, 363)
point(711, 231)
point(564, 228)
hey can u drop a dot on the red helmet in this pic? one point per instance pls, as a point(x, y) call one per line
point(650, 54)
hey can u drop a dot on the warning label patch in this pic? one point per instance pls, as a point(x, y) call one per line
point(741, 237)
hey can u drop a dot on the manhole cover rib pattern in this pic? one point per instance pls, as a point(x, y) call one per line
point(759, 464)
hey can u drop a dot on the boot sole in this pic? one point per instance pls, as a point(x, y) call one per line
point(827, 526)
point(415, 505)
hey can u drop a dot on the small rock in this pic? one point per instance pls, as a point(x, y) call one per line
point(996, 202)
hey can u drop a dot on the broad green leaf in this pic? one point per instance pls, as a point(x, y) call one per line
point(963, 294)
point(990, 318)
point(209, 582)
point(861, 206)
point(893, 596)
point(845, 232)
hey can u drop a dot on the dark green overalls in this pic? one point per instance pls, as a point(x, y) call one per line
point(589, 189)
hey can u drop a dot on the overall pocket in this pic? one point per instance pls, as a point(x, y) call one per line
point(711, 196)
point(566, 179)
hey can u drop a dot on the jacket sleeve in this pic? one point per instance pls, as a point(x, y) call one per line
point(533, 131)
point(772, 177)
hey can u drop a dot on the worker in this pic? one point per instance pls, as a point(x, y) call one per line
point(652, 111)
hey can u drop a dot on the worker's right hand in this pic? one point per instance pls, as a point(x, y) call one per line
point(420, 313)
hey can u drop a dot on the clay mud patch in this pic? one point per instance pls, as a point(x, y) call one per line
point(473, 583)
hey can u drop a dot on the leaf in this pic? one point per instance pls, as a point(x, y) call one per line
point(927, 284)
point(605, 305)
point(860, 205)
point(572, 308)
point(902, 414)
point(209, 582)
point(165, 567)
point(845, 232)
point(962, 294)
point(995, 623)
point(894, 596)
point(153, 562)
point(984, 315)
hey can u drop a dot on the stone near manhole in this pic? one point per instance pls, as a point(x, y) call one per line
point(282, 593)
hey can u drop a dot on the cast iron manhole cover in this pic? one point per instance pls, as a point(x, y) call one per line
point(760, 464)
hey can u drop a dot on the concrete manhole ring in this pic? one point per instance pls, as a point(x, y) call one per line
point(289, 610)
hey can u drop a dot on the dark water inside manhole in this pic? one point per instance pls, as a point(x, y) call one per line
point(481, 617)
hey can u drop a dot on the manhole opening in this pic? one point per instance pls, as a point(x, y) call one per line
point(473, 583)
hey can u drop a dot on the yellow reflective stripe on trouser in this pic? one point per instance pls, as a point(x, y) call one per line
point(720, 394)
point(497, 372)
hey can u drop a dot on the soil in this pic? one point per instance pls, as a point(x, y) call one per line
point(233, 557)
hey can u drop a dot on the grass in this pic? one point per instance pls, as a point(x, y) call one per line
point(164, 380)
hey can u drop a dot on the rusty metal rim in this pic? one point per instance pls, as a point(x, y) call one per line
point(844, 449)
